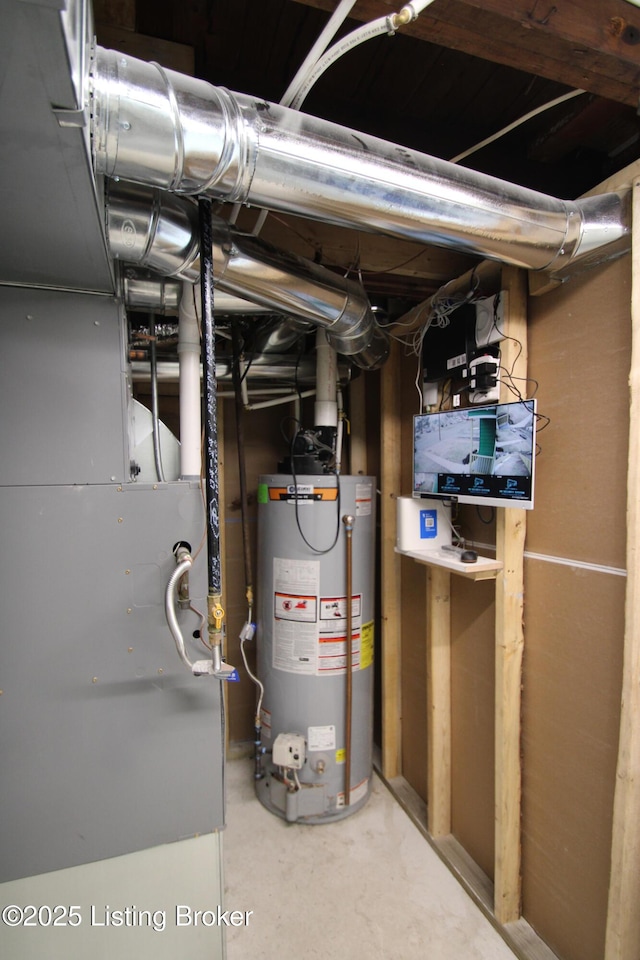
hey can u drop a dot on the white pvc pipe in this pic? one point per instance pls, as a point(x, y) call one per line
point(340, 433)
point(244, 387)
point(326, 406)
point(287, 398)
point(189, 365)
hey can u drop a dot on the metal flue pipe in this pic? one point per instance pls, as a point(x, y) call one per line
point(143, 291)
point(181, 134)
point(268, 372)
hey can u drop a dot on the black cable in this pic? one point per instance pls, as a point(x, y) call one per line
point(237, 345)
point(539, 417)
point(246, 369)
point(284, 420)
point(212, 486)
point(491, 518)
point(295, 485)
point(295, 372)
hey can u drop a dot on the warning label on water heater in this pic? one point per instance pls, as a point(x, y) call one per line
point(296, 585)
point(310, 630)
point(363, 499)
point(296, 606)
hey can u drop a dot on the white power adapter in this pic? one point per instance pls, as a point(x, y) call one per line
point(483, 379)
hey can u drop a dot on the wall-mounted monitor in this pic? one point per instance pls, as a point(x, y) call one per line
point(480, 455)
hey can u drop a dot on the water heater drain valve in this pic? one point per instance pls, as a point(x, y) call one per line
point(289, 750)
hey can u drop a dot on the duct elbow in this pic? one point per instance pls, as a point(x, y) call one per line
point(356, 333)
point(598, 229)
point(376, 353)
point(153, 229)
point(606, 227)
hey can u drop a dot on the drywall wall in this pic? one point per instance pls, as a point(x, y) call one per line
point(579, 342)
point(472, 717)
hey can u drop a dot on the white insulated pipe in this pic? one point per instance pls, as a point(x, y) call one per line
point(189, 366)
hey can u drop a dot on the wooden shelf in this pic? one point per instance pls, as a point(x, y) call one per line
point(484, 568)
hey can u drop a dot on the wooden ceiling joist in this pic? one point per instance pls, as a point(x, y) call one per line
point(592, 45)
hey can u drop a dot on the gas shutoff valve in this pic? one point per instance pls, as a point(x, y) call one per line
point(289, 751)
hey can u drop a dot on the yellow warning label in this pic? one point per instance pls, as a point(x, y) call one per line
point(341, 755)
point(366, 646)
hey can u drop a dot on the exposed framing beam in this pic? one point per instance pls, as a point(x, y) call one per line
point(411, 269)
point(438, 620)
point(623, 916)
point(174, 56)
point(391, 628)
point(586, 44)
point(509, 639)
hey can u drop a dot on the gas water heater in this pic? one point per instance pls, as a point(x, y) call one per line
point(316, 543)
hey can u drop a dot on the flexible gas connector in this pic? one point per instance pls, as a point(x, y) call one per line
point(214, 667)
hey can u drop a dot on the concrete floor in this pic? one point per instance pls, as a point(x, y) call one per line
point(366, 886)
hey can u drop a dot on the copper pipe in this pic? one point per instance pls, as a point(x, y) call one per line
point(348, 526)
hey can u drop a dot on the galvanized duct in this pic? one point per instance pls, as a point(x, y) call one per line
point(155, 230)
point(162, 128)
point(266, 371)
point(144, 291)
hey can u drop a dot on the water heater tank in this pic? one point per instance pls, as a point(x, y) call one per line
point(302, 643)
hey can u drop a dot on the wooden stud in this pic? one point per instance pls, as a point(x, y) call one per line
point(390, 480)
point(438, 619)
point(509, 637)
point(623, 918)
point(121, 13)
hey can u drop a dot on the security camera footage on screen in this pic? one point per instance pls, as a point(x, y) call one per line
point(477, 454)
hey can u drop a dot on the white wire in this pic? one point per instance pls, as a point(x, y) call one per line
point(516, 123)
point(418, 387)
point(331, 28)
point(252, 676)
